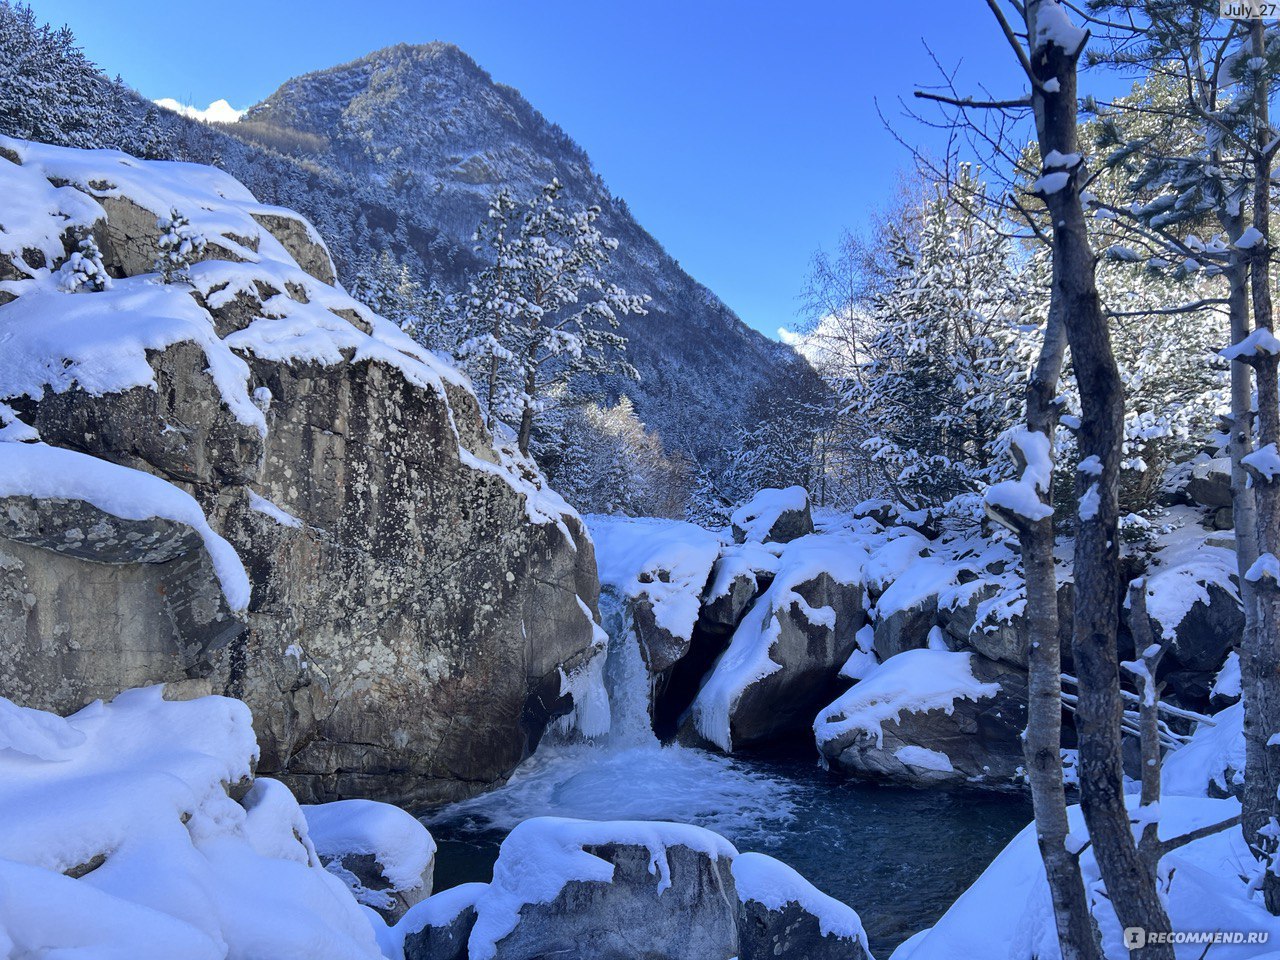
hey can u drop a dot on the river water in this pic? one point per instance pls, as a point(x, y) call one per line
point(898, 857)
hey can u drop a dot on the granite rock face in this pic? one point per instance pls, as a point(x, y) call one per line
point(810, 651)
point(974, 741)
point(417, 594)
point(633, 916)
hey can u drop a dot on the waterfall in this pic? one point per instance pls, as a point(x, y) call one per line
point(626, 677)
point(627, 773)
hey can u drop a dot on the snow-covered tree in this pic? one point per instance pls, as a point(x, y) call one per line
point(948, 353)
point(180, 244)
point(603, 459)
point(49, 90)
point(785, 442)
point(545, 310)
point(389, 289)
point(83, 270)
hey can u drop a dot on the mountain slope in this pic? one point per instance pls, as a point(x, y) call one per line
point(432, 136)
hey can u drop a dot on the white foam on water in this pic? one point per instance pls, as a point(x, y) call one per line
point(628, 774)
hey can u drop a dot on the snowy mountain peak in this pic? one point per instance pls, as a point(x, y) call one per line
point(434, 137)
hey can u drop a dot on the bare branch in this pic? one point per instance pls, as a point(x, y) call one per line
point(966, 102)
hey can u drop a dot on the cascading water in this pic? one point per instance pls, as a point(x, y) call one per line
point(627, 774)
point(878, 849)
point(626, 677)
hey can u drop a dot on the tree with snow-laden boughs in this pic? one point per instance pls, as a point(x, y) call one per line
point(83, 270)
point(947, 356)
point(181, 245)
point(603, 459)
point(545, 311)
point(1199, 145)
point(389, 288)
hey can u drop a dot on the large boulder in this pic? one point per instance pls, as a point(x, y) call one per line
point(906, 628)
point(414, 596)
point(783, 659)
point(773, 516)
point(585, 890)
point(930, 717)
point(809, 648)
point(1210, 483)
point(781, 914)
point(906, 610)
point(1194, 609)
point(743, 572)
point(1211, 627)
point(579, 890)
point(985, 616)
point(655, 572)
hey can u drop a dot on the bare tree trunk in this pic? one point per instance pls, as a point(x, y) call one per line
point(1043, 743)
point(1243, 507)
point(526, 410)
point(1130, 884)
point(1261, 660)
point(1145, 665)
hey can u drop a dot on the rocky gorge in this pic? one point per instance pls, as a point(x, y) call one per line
point(257, 547)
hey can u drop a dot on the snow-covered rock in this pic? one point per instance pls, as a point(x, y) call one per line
point(661, 568)
point(781, 914)
point(773, 516)
point(1211, 763)
point(120, 837)
point(608, 891)
point(1194, 606)
point(439, 928)
point(249, 481)
point(987, 616)
point(618, 890)
point(1210, 483)
point(742, 573)
point(383, 854)
point(905, 628)
point(786, 652)
point(929, 717)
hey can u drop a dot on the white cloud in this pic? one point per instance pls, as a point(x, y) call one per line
point(217, 112)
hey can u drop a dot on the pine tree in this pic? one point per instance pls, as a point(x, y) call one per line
point(544, 312)
point(153, 137)
point(83, 270)
point(388, 288)
point(180, 246)
point(940, 386)
point(49, 90)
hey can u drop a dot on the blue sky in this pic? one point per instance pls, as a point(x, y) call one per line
point(744, 135)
